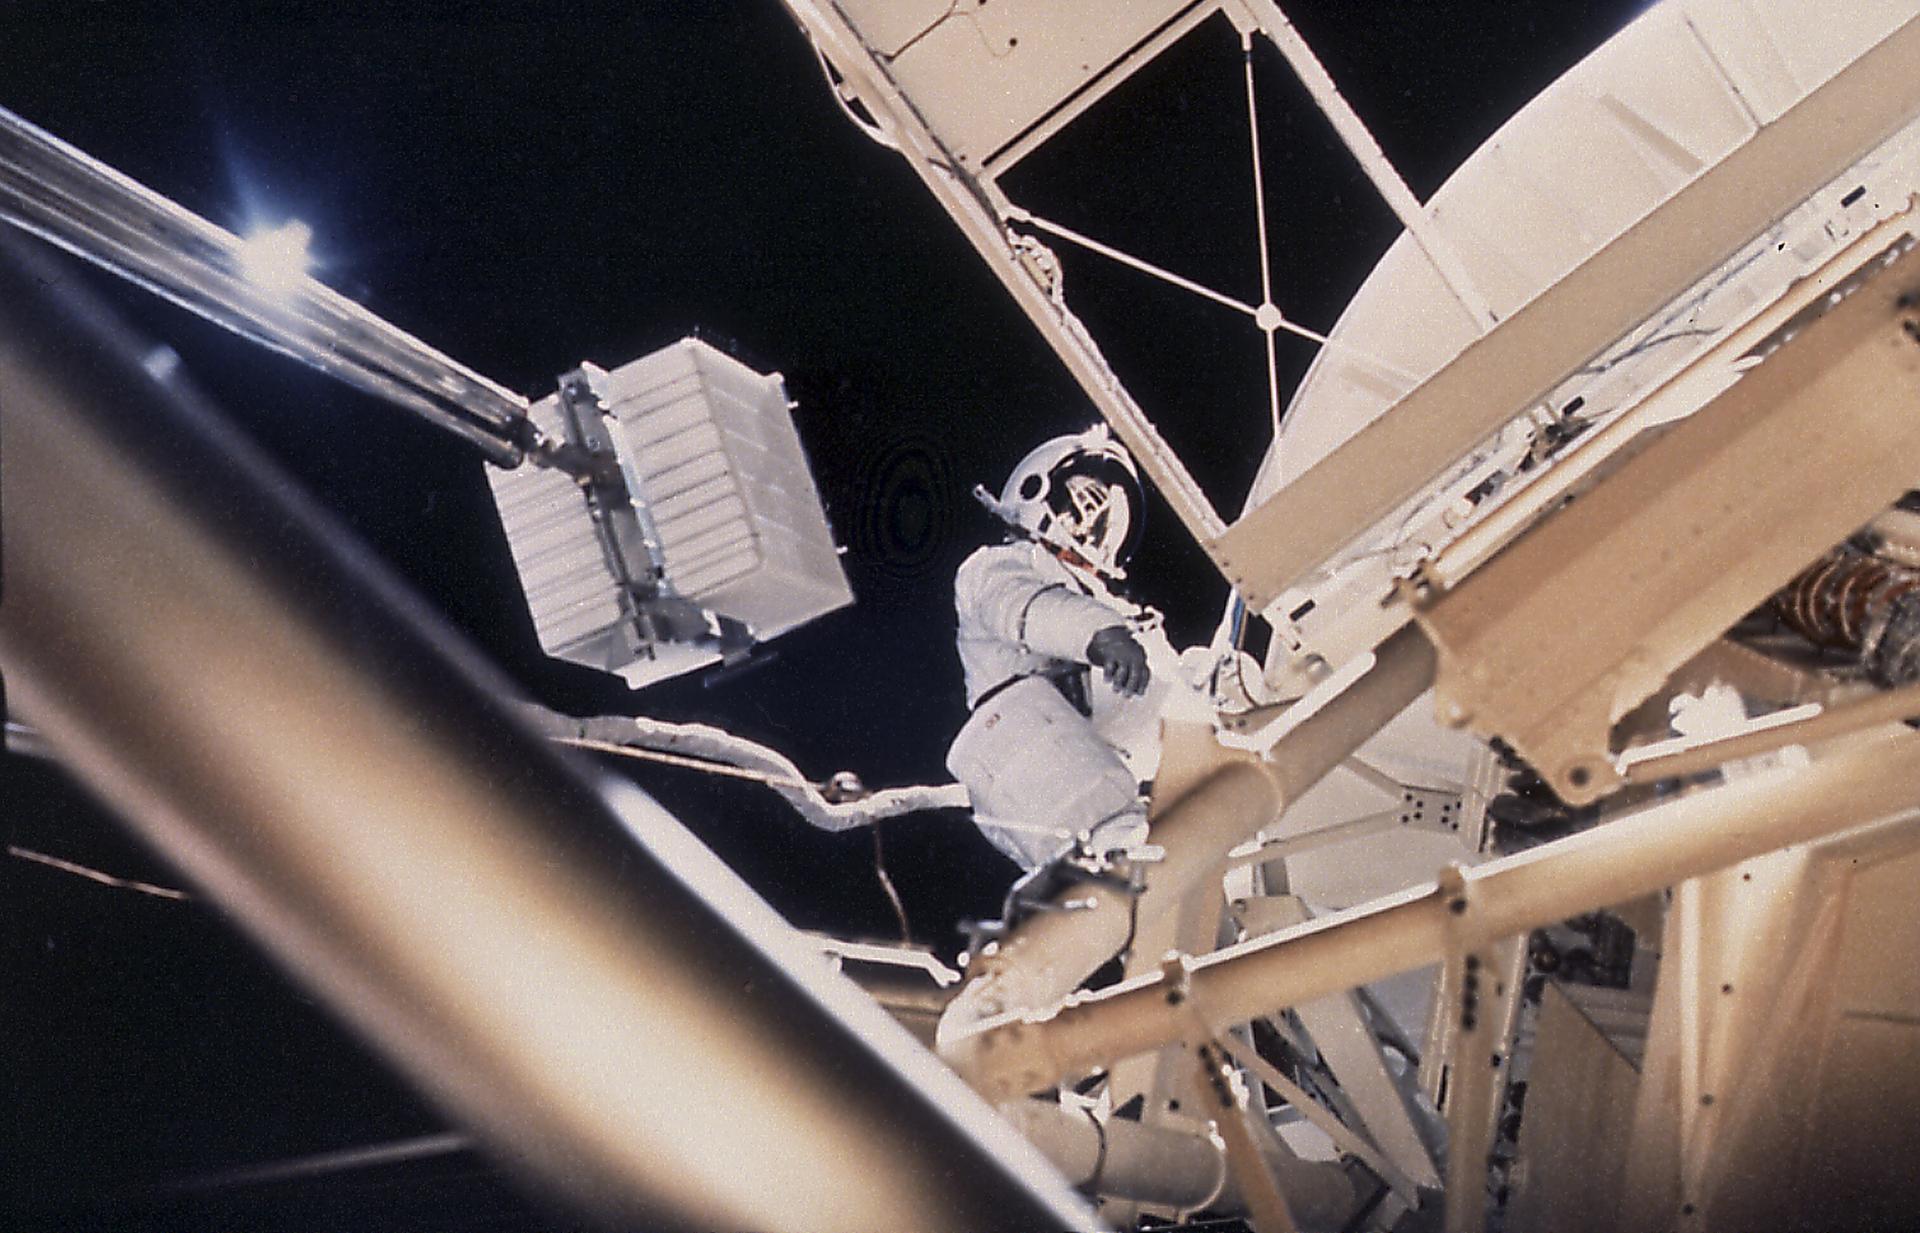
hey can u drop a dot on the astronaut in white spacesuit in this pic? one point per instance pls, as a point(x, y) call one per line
point(1064, 677)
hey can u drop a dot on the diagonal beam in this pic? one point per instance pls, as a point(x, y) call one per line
point(1373, 161)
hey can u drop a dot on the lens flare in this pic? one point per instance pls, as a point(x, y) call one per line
point(275, 259)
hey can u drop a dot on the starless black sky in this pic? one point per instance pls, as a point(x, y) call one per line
point(526, 187)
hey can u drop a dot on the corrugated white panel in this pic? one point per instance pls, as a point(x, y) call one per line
point(710, 454)
point(556, 551)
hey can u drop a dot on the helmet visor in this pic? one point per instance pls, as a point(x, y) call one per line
point(1096, 502)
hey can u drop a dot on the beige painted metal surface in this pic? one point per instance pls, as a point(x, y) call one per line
point(1666, 401)
point(1605, 295)
point(1578, 1115)
point(1781, 1088)
point(1338, 1027)
point(1567, 630)
point(1873, 776)
point(1116, 1156)
point(1164, 1082)
point(1485, 981)
point(1625, 128)
point(980, 74)
point(1268, 1210)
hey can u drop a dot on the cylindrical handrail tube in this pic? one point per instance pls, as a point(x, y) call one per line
point(1039, 962)
point(1197, 831)
point(1116, 1157)
point(1050, 953)
point(1659, 846)
point(1121, 1158)
point(627, 1021)
point(1402, 670)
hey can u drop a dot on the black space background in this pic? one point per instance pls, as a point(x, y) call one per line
point(525, 188)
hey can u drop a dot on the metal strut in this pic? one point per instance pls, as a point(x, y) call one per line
point(71, 199)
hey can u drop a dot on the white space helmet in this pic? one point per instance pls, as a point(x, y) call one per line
point(1079, 493)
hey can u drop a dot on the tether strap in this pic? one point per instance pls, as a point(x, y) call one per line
point(1069, 679)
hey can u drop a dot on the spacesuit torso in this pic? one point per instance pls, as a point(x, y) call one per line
point(1040, 768)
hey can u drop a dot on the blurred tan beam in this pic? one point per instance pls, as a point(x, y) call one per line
point(561, 966)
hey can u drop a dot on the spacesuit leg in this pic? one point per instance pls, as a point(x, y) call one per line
point(1034, 764)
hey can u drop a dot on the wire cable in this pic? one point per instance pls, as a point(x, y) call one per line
point(693, 764)
point(1260, 314)
point(886, 884)
point(1021, 215)
point(1268, 318)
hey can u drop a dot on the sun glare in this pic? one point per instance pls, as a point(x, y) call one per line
point(275, 259)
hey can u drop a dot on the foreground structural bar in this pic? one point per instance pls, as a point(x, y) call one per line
point(1877, 776)
point(331, 767)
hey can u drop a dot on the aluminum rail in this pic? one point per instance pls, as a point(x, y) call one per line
point(1889, 706)
point(1875, 776)
point(86, 207)
point(626, 1021)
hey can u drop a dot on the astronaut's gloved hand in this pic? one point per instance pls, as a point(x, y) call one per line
point(1122, 659)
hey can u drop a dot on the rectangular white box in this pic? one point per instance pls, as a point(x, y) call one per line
point(717, 473)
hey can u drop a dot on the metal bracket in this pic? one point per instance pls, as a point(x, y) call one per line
point(1808, 446)
point(656, 613)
